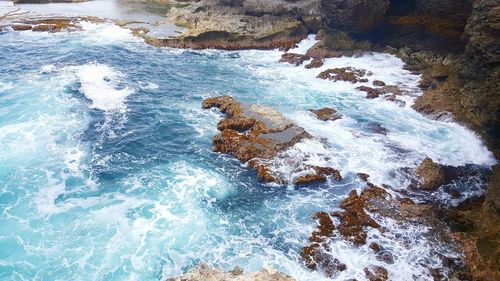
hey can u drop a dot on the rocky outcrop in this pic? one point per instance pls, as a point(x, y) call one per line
point(334, 43)
point(258, 134)
point(295, 59)
point(326, 114)
point(348, 74)
point(482, 32)
point(476, 227)
point(390, 91)
point(376, 273)
point(248, 24)
point(315, 63)
point(431, 174)
point(49, 24)
point(206, 273)
point(354, 221)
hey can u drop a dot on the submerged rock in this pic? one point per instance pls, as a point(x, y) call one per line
point(348, 74)
point(326, 114)
point(206, 273)
point(258, 134)
point(431, 174)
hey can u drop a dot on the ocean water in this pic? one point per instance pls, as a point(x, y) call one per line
point(107, 172)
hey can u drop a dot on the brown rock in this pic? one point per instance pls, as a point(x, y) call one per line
point(372, 93)
point(348, 74)
point(292, 58)
point(376, 273)
point(375, 247)
point(315, 63)
point(334, 44)
point(308, 179)
point(431, 174)
point(328, 171)
point(325, 227)
point(207, 273)
point(21, 27)
point(354, 218)
point(237, 123)
point(477, 231)
point(362, 176)
point(261, 133)
point(378, 83)
point(326, 114)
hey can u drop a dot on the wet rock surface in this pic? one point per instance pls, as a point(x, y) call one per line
point(207, 273)
point(292, 58)
point(376, 273)
point(348, 74)
point(49, 24)
point(326, 114)
point(475, 225)
point(390, 90)
point(256, 134)
point(432, 175)
point(315, 63)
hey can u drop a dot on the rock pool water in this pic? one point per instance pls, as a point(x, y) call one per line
point(106, 169)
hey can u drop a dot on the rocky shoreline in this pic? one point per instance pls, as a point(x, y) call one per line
point(454, 45)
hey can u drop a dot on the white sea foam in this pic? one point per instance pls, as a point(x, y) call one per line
point(105, 33)
point(48, 68)
point(304, 45)
point(410, 136)
point(100, 84)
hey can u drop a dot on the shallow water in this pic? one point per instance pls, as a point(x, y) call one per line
point(106, 169)
point(148, 15)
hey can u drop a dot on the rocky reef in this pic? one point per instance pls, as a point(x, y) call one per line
point(353, 223)
point(206, 273)
point(453, 44)
point(260, 136)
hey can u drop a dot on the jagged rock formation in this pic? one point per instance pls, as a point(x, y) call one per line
point(206, 273)
point(258, 135)
point(248, 24)
point(347, 74)
point(431, 174)
point(326, 114)
point(353, 222)
point(476, 227)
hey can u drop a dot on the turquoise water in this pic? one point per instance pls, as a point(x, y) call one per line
point(107, 173)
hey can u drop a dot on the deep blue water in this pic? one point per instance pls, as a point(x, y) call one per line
point(107, 173)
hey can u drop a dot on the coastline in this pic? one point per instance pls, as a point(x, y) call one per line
point(442, 76)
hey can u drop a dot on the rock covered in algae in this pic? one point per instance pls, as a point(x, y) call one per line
point(259, 134)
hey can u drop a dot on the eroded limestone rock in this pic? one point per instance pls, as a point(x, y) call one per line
point(348, 74)
point(292, 58)
point(260, 135)
point(326, 114)
point(206, 273)
point(432, 175)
